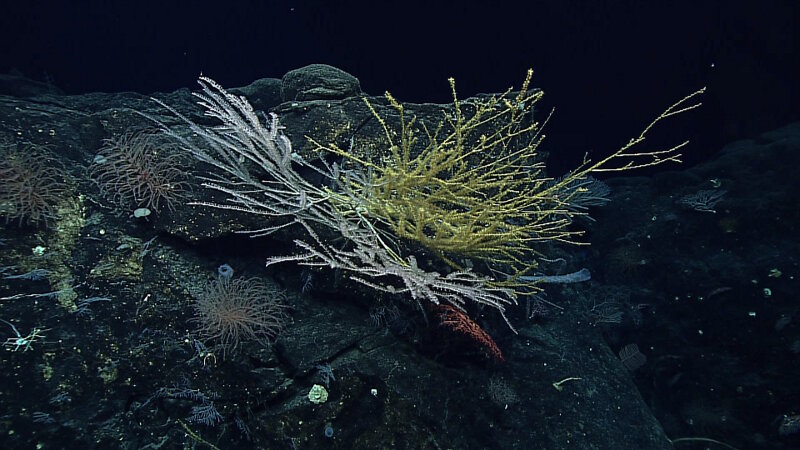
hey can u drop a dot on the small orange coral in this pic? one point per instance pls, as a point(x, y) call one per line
point(458, 321)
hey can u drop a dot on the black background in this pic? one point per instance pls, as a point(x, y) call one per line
point(607, 66)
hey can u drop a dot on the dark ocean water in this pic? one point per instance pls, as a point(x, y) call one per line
point(281, 256)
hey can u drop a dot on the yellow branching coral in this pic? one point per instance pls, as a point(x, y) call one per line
point(475, 186)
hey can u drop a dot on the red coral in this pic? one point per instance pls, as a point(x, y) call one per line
point(458, 321)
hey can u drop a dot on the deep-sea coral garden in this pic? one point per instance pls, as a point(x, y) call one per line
point(470, 188)
point(452, 214)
